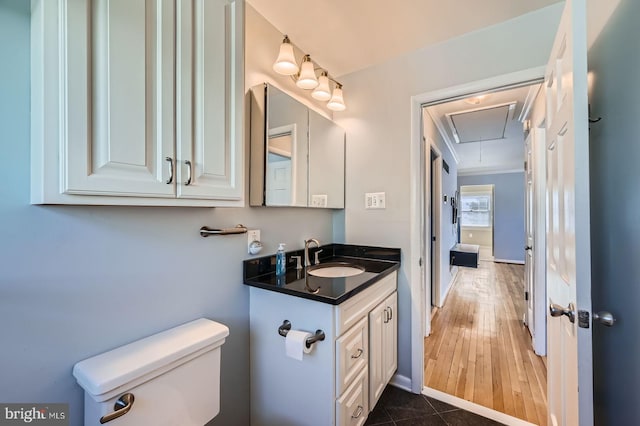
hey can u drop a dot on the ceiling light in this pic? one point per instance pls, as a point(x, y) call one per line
point(306, 78)
point(323, 91)
point(286, 62)
point(475, 100)
point(337, 101)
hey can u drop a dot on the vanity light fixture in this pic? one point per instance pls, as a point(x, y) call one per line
point(323, 91)
point(337, 102)
point(286, 62)
point(306, 78)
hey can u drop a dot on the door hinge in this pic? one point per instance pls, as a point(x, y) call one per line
point(526, 296)
point(583, 319)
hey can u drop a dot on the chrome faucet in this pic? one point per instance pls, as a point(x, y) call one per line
point(306, 250)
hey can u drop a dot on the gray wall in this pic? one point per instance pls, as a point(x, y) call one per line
point(378, 125)
point(615, 225)
point(77, 281)
point(508, 231)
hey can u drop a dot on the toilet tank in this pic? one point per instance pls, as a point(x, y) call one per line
point(174, 377)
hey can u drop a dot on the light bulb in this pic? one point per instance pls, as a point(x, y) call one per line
point(286, 62)
point(307, 78)
point(323, 91)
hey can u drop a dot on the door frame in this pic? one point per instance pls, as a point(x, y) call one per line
point(420, 322)
point(434, 275)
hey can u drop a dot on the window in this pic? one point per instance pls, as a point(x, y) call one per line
point(475, 210)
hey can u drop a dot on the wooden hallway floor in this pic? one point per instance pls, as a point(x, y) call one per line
point(479, 349)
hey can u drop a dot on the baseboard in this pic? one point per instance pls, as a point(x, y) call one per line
point(400, 381)
point(475, 408)
point(515, 262)
point(443, 298)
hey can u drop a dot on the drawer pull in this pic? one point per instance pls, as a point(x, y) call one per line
point(358, 412)
point(358, 354)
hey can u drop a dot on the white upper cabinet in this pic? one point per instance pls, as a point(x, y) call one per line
point(137, 102)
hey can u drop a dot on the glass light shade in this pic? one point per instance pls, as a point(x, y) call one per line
point(307, 78)
point(323, 91)
point(337, 101)
point(286, 62)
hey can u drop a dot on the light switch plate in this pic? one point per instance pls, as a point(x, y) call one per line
point(374, 200)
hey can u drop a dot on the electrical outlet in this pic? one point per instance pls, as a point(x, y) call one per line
point(252, 235)
point(319, 200)
point(374, 200)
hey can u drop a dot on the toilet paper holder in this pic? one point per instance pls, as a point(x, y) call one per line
point(283, 330)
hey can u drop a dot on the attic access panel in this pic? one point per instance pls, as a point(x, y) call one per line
point(481, 124)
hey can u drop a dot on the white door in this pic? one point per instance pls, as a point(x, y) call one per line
point(529, 252)
point(278, 176)
point(570, 388)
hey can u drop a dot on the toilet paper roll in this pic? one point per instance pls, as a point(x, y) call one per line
point(296, 344)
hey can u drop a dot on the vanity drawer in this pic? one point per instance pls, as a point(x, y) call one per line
point(352, 354)
point(351, 311)
point(352, 408)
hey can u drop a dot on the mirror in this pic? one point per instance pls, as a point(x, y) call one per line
point(297, 155)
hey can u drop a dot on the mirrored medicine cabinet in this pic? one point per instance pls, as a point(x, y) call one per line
point(297, 155)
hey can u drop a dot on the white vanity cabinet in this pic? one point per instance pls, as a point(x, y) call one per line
point(332, 384)
point(137, 102)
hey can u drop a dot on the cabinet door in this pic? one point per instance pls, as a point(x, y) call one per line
point(390, 338)
point(116, 97)
point(209, 93)
point(377, 318)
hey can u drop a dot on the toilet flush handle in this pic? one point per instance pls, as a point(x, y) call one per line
point(121, 407)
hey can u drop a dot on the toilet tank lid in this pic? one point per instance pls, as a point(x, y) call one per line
point(107, 371)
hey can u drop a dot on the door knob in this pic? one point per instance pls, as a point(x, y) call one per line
point(604, 318)
point(569, 311)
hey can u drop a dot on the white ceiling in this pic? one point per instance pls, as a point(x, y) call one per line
point(491, 156)
point(348, 35)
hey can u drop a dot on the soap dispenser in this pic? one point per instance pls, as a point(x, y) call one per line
point(281, 262)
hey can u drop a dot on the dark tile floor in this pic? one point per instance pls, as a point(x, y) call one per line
point(400, 408)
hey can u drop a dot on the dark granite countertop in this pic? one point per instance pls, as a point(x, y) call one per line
point(377, 262)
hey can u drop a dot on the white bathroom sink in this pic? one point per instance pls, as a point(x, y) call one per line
point(335, 270)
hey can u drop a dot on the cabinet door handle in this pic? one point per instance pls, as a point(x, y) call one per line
point(170, 180)
point(188, 181)
point(390, 312)
point(358, 412)
point(358, 353)
point(386, 316)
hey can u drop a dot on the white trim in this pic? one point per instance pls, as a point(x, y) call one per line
point(529, 101)
point(418, 323)
point(489, 171)
point(516, 262)
point(445, 136)
point(436, 219)
point(475, 408)
point(443, 297)
point(401, 382)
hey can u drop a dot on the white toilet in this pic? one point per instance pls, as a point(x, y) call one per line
point(171, 378)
